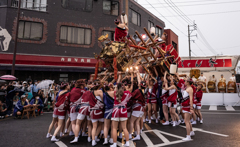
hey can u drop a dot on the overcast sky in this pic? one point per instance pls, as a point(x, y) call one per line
point(222, 30)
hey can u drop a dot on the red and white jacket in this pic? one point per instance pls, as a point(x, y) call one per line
point(120, 109)
point(172, 95)
point(96, 106)
point(85, 107)
point(199, 95)
point(75, 98)
point(152, 94)
point(138, 100)
point(62, 104)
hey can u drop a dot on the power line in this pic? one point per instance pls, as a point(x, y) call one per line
point(193, 53)
point(206, 13)
point(175, 10)
point(206, 1)
point(199, 48)
point(200, 4)
point(165, 18)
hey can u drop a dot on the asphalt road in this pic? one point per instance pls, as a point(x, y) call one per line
point(221, 128)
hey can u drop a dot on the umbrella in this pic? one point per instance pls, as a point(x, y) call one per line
point(44, 84)
point(8, 77)
point(2, 81)
point(11, 93)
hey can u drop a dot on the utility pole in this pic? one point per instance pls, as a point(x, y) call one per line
point(126, 9)
point(189, 42)
point(16, 37)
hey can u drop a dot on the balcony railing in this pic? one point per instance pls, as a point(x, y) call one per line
point(38, 5)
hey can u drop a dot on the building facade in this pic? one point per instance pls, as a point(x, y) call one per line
point(57, 38)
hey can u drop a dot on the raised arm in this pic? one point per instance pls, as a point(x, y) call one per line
point(139, 80)
point(131, 88)
point(119, 78)
point(155, 70)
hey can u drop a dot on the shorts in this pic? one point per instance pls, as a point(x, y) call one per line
point(154, 101)
point(73, 116)
point(172, 105)
point(119, 119)
point(164, 102)
point(137, 113)
point(194, 106)
point(129, 114)
point(198, 107)
point(82, 117)
point(58, 116)
point(95, 120)
point(183, 111)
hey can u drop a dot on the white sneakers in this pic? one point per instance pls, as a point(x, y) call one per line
point(94, 143)
point(192, 133)
point(54, 139)
point(150, 121)
point(111, 140)
point(74, 140)
point(179, 122)
point(130, 136)
point(71, 133)
point(174, 123)
point(194, 123)
point(89, 139)
point(96, 138)
point(151, 118)
point(166, 123)
point(105, 141)
point(113, 145)
point(127, 143)
point(201, 121)
point(156, 121)
point(48, 135)
point(136, 138)
point(188, 138)
point(61, 134)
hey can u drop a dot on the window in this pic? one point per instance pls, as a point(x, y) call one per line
point(135, 18)
point(75, 35)
point(110, 7)
point(110, 34)
point(3, 2)
point(39, 5)
point(150, 24)
point(30, 30)
point(84, 5)
point(63, 78)
point(158, 31)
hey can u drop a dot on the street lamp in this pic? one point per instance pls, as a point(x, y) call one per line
point(16, 36)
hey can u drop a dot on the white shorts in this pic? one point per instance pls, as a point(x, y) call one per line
point(82, 117)
point(73, 116)
point(183, 111)
point(129, 114)
point(119, 119)
point(58, 116)
point(95, 120)
point(199, 107)
point(194, 106)
point(170, 105)
point(137, 113)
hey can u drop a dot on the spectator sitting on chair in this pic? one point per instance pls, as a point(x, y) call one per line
point(3, 109)
point(22, 103)
point(16, 98)
point(37, 101)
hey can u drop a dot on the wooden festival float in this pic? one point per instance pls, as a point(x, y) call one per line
point(125, 57)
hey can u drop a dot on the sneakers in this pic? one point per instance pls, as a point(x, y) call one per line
point(105, 141)
point(114, 145)
point(75, 140)
point(127, 143)
point(194, 123)
point(166, 123)
point(188, 138)
point(150, 121)
point(179, 122)
point(71, 133)
point(61, 134)
point(94, 143)
point(65, 131)
point(120, 135)
point(48, 135)
point(130, 136)
point(198, 119)
point(182, 122)
point(192, 133)
point(174, 123)
point(201, 121)
point(96, 138)
point(54, 139)
point(111, 140)
point(136, 138)
point(89, 139)
point(156, 121)
point(151, 118)
point(146, 119)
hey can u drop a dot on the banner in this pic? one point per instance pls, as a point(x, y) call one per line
point(205, 63)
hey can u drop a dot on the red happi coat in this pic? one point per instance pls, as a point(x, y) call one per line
point(199, 95)
point(120, 109)
point(75, 98)
point(120, 34)
point(172, 95)
point(138, 100)
point(85, 107)
point(194, 94)
point(181, 84)
point(62, 104)
point(96, 106)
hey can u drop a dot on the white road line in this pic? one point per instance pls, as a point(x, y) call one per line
point(147, 140)
point(60, 144)
point(219, 113)
point(229, 108)
point(164, 139)
point(212, 107)
point(170, 143)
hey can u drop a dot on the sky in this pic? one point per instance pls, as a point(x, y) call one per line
point(221, 30)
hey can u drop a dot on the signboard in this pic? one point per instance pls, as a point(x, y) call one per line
point(5, 39)
point(205, 63)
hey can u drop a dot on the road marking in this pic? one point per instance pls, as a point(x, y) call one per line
point(230, 108)
point(212, 107)
point(60, 144)
point(146, 139)
point(219, 113)
point(201, 130)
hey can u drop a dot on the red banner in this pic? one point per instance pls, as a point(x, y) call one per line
point(205, 63)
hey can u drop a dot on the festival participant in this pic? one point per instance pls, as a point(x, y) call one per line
point(222, 79)
point(199, 95)
point(202, 78)
point(137, 109)
point(22, 103)
point(97, 110)
point(232, 78)
point(60, 110)
point(75, 101)
point(120, 113)
point(120, 31)
point(164, 98)
point(151, 95)
point(187, 108)
point(172, 100)
point(193, 120)
point(162, 46)
point(108, 99)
